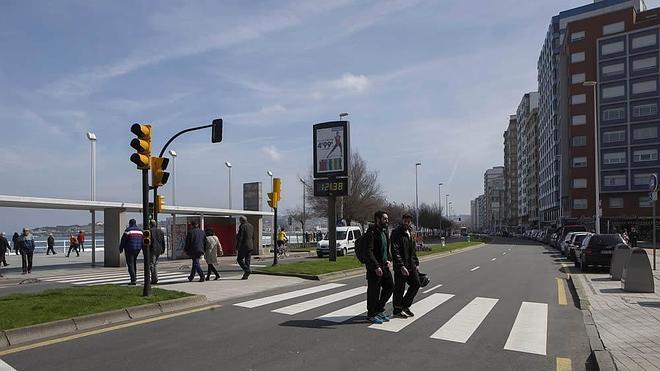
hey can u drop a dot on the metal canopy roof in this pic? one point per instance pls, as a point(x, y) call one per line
point(66, 204)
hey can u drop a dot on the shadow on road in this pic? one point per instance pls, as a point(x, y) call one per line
point(321, 324)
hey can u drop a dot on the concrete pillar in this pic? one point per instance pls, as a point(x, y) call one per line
point(257, 224)
point(115, 222)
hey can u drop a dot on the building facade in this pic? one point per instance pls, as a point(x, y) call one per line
point(511, 173)
point(494, 198)
point(527, 142)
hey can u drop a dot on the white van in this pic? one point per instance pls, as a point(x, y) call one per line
point(346, 237)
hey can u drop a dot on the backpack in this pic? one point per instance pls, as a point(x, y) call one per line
point(362, 248)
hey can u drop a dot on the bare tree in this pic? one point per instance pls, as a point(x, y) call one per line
point(296, 214)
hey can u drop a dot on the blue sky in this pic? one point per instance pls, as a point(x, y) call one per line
point(429, 81)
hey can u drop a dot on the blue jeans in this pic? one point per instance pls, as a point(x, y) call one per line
point(196, 268)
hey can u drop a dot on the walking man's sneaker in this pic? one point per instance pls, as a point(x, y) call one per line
point(375, 319)
point(399, 315)
point(383, 317)
point(408, 312)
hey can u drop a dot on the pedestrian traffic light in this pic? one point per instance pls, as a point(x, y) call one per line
point(160, 203)
point(216, 131)
point(146, 235)
point(158, 174)
point(274, 197)
point(142, 146)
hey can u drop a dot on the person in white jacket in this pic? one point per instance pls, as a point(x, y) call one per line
point(212, 248)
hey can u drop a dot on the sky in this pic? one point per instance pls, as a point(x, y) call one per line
point(423, 81)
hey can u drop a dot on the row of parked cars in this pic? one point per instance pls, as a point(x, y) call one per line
point(579, 245)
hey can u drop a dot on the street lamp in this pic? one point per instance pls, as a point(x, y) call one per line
point(440, 203)
point(173, 155)
point(228, 165)
point(594, 85)
point(341, 205)
point(92, 140)
point(272, 235)
point(417, 165)
point(342, 115)
point(303, 215)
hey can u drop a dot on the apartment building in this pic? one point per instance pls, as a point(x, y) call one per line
point(511, 172)
point(527, 143)
point(494, 198)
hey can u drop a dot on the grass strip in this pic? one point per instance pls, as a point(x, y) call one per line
point(21, 310)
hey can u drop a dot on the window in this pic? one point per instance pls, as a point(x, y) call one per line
point(650, 132)
point(617, 113)
point(611, 28)
point(613, 69)
point(578, 78)
point(578, 99)
point(642, 87)
point(642, 179)
point(579, 161)
point(644, 41)
point(612, 48)
point(614, 180)
point(615, 91)
point(579, 35)
point(616, 202)
point(578, 120)
point(577, 57)
point(644, 155)
point(580, 203)
point(613, 158)
point(579, 183)
point(645, 202)
point(579, 141)
point(615, 136)
point(644, 63)
point(646, 109)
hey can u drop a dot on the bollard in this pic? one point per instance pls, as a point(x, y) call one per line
point(637, 275)
point(619, 260)
point(442, 240)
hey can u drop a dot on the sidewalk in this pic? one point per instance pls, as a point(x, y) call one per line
point(628, 323)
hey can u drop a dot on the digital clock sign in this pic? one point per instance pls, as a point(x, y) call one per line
point(331, 187)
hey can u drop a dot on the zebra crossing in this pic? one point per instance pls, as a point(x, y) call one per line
point(112, 277)
point(528, 333)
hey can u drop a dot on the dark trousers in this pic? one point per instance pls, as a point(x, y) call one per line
point(50, 248)
point(153, 267)
point(26, 261)
point(210, 269)
point(196, 268)
point(3, 259)
point(379, 290)
point(402, 302)
point(82, 246)
point(131, 263)
point(73, 247)
point(243, 260)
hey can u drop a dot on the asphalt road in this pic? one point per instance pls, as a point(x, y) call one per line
point(509, 301)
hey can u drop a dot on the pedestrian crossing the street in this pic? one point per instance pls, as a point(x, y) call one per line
point(112, 277)
point(528, 333)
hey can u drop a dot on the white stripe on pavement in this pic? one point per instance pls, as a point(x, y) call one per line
point(419, 309)
point(288, 295)
point(432, 288)
point(475, 268)
point(344, 314)
point(5, 366)
point(68, 276)
point(315, 303)
point(96, 277)
point(493, 259)
point(464, 323)
point(504, 254)
point(126, 277)
point(529, 331)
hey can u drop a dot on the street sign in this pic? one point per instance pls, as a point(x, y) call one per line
point(331, 149)
point(331, 187)
point(653, 183)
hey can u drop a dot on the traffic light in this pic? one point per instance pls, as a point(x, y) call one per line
point(142, 146)
point(216, 131)
point(274, 197)
point(160, 204)
point(158, 174)
point(146, 237)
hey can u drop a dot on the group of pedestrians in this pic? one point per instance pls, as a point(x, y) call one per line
point(132, 242)
point(385, 252)
point(23, 245)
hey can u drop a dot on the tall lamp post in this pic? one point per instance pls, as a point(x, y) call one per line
point(417, 165)
point(342, 115)
point(92, 140)
point(304, 211)
point(447, 208)
point(272, 235)
point(594, 85)
point(228, 165)
point(173, 155)
point(440, 203)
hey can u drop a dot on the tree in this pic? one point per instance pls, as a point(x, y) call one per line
point(296, 214)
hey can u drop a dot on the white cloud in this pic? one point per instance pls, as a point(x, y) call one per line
point(352, 83)
point(271, 152)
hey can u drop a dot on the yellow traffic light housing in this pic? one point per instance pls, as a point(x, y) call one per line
point(160, 204)
point(275, 196)
point(158, 174)
point(142, 146)
point(146, 237)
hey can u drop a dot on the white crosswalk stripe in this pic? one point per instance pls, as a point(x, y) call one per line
point(420, 308)
point(344, 314)
point(126, 277)
point(315, 303)
point(530, 330)
point(464, 323)
point(114, 277)
point(288, 295)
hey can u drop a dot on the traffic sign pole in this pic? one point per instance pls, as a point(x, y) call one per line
point(653, 188)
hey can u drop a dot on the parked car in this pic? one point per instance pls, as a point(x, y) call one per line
point(554, 240)
point(547, 235)
point(565, 230)
point(574, 244)
point(563, 244)
point(540, 236)
point(346, 237)
point(596, 249)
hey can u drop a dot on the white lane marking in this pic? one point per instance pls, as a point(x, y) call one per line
point(419, 309)
point(288, 295)
point(504, 254)
point(529, 331)
point(127, 277)
point(319, 302)
point(475, 268)
point(493, 259)
point(252, 265)
point(95, 274)
point(432, 288)
point(5, 366)
point(464, 323)
point(344, 314)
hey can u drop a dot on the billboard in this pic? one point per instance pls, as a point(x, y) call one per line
point(331, 149)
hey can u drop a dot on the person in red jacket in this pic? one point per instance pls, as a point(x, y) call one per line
point(81, 240)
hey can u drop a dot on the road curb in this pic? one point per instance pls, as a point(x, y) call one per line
point(29, 334)
point(599, 355)
point(358, 271)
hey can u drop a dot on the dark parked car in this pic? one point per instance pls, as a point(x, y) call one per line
point(547, 236)
point(596, 249)
point(563, 231)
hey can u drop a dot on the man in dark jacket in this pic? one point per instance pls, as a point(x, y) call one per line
point(50, 242)
point(26, 248)
point(4, 247)
point(379, 276)
point(406, 268)
point(244, 246)
point(194, 247)
point(131, 244)
point(157, 248)
point(14, 240)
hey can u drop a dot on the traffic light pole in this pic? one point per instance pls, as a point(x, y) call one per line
point(275, 234)
point(146, 291)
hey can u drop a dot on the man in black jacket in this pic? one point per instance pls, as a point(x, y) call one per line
point(379, 276)
point(4, 247)
point(50, 243)
point(406, 268)
point(157, 248)
point(244, 246)
point(194, 247)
